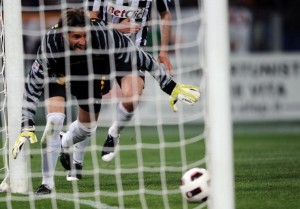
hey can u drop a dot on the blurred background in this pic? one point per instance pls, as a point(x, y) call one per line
point(264, 25)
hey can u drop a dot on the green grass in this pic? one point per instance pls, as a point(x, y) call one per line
point(267, 171)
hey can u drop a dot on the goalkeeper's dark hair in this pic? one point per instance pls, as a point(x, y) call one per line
point(73, 18)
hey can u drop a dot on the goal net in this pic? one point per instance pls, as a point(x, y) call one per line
point(156, 147)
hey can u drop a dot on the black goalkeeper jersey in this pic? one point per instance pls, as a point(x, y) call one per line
point(55, 57)
point(107, 51)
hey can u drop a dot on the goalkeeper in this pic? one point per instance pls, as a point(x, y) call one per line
point(136, 28)
point(63, 65)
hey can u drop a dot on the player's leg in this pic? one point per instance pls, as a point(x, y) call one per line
point(78, 159)
point(78, 134)
point(51, 142)
point(131, 87)
point(83, 128)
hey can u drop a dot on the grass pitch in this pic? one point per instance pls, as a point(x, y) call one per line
point(266, 159)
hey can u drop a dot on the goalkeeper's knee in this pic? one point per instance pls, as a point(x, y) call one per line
point(51, 138)
point(78, 132)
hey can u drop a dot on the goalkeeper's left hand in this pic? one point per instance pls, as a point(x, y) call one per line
point(26, 134)
point(188, 94)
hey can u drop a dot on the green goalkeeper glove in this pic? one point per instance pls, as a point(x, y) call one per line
point(188, 94)
point(26, 134)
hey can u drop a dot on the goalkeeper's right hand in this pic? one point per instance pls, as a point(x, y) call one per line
point(26, 134)
point(188, 94)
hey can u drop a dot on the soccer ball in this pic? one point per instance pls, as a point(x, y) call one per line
point(195, 185)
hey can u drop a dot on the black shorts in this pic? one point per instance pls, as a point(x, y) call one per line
point(89, 101)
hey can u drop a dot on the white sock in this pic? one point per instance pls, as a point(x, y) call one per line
point(77, 132)
point(123, 118)
point(79, 150)
point(51, 144)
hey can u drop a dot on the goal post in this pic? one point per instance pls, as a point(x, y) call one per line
point(14, 73)
point(219, 122)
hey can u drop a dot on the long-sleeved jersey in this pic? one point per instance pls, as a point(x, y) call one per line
point(139, 11)
point(107, 48)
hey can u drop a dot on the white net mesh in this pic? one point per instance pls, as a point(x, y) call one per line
point(155, 149)
point(4, 142)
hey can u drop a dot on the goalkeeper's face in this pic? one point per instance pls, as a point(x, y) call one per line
point(77, 39)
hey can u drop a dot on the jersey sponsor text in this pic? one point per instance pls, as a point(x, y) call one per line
point(125, 11)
